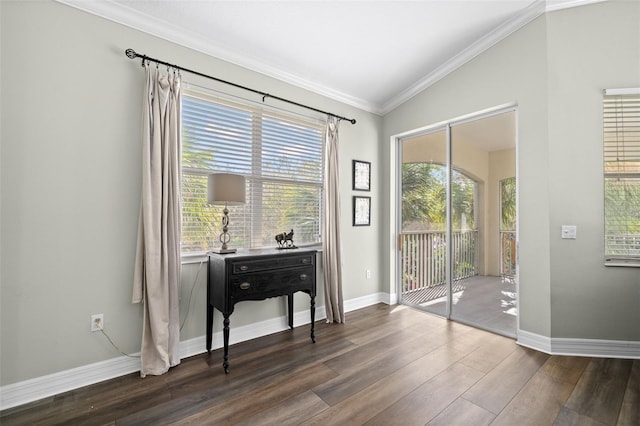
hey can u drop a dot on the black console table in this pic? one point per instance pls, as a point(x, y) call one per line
point(257, 275)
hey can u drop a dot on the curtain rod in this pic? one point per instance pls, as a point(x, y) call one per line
point(132, 54)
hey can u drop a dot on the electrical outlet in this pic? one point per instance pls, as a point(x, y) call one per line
point(368, 274)
point(97, 322)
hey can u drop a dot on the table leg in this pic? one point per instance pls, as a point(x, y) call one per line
point(313, 318)
point(209, 325)
point(290, 303)
point(225, 324)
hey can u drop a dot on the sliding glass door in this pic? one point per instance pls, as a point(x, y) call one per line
point(457, 190)
point(423, 236)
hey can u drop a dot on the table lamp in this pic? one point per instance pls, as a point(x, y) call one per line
point(225, 189)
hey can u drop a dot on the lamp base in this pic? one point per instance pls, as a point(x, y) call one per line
point(224, 251)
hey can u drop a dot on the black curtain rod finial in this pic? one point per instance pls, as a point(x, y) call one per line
point(132, 54)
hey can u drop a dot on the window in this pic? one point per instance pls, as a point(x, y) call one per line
point(507, 231)
point(280, 155)
point(621, 129)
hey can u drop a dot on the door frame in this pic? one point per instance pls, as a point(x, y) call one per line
point(395, 216)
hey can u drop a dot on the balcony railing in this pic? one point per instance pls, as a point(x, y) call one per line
point(508, 253)
point(424, 258)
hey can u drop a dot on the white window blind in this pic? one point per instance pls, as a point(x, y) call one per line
point(280, 155)
point(621, 113)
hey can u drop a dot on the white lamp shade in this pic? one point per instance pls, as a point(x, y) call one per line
point(226, 188)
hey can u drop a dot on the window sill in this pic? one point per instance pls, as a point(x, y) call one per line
point(188, 258)
point(626, 263)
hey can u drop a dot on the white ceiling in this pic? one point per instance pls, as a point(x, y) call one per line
point(370, 54)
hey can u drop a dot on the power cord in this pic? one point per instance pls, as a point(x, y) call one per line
point(193, 286)
point(186, 315)
point(116, 346)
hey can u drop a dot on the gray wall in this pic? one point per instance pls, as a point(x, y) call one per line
point(70, 176)
point(554, 69)
point(502, 75)
point(590, 49)
point(71, 120)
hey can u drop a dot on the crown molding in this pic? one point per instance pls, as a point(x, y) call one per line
point(132, 18)
point(507, 28)
point(536, 9)
point(566, 4)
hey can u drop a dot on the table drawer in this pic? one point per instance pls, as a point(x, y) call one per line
point(248, 266)
point(268, 284)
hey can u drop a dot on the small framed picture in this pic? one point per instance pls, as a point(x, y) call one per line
point(361, 175)
point(361, 211)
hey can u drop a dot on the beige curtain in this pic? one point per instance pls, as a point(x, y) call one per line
point(331, 256)
point(158, 263)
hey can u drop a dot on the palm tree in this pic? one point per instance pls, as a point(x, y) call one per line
point(424, 197)
point(508, 204)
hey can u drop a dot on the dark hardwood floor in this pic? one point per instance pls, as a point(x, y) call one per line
point(388, 365)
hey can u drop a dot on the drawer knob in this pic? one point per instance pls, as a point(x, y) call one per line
point(244, 286)
point(303, 277)
point(244, 267)
point(305, 260)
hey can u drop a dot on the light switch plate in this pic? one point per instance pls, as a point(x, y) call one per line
point(569, 232)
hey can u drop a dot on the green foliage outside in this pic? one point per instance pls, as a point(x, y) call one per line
point(273, 204)
point(508, 204)
point(424, 203)
point(622, 216)
point(424, 198)
point(508, 226)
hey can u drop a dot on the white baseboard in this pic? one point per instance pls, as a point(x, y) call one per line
point(363, 302)
point(52, 384)
point(596, 348)
point(534, 341)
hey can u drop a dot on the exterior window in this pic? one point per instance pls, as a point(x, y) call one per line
point(280, 155)
point(508, 227)
point(622, 177)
